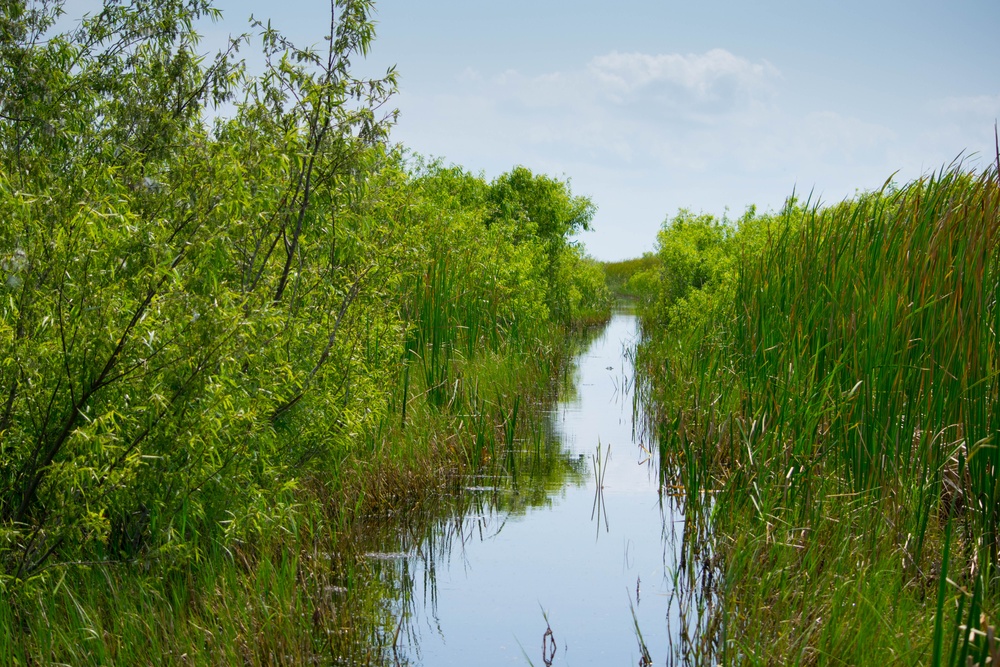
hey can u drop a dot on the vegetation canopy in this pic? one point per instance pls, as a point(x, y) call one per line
point(214, 283)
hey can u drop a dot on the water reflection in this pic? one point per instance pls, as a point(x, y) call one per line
point(510, 570)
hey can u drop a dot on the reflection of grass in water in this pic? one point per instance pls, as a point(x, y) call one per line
point(695, 580)
point(645, 660)
point(567, 380)
point(600, 468)
point(548, 644)
point(514, 462)
point(520, 463)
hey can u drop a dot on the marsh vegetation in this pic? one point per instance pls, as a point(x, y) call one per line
point(828, 377)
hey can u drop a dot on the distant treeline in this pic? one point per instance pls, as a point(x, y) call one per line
point(632, 279)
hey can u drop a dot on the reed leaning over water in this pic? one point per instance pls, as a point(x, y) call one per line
point(831, 377)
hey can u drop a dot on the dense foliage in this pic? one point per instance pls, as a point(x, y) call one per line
point(831, 376)
point(198, 316)
point(632, 279)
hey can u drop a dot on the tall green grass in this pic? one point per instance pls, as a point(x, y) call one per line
point(841, 403)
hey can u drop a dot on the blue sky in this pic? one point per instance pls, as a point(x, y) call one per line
point(648, 107)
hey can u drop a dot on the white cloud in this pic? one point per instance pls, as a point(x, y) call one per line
point(645, 134)
point(708, 76)
point(694, 86)
point(618, 109)
point(696, 113)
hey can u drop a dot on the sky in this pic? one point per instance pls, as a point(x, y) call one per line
point(650, 106)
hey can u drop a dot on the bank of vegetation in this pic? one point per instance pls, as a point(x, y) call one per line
point(632, 280)
point(236, 321)
point(826, 383)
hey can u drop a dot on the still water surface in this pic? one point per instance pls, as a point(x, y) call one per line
point(588, 566)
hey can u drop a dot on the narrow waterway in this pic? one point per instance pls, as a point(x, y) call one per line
point(567, 578)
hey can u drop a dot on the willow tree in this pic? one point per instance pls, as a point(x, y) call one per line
point(191, 315)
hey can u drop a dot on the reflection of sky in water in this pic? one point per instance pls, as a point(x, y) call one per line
point(490, 590)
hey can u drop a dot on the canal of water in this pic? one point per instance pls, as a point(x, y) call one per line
point(578, 568)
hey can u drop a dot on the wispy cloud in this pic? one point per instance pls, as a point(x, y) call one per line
point(705, 131)
point(625, 110)
point(714, 77)
point(690, 86)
